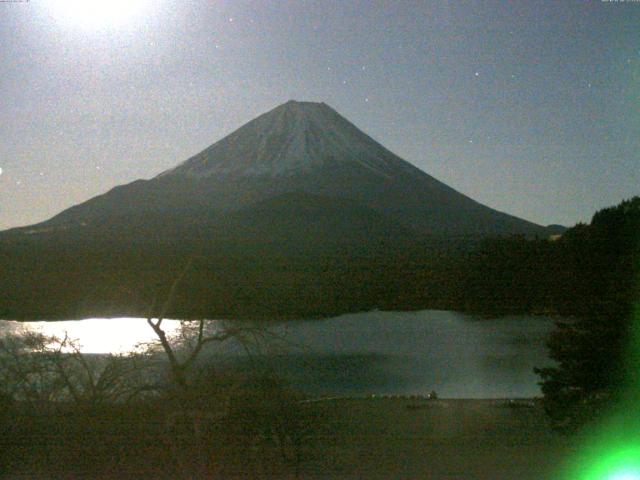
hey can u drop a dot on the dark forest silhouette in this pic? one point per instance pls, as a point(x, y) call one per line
point(162, 413)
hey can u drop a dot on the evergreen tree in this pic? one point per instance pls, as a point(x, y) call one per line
point(600, 275)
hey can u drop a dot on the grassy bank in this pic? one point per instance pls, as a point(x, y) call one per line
point(351, 438)
point(442, 439)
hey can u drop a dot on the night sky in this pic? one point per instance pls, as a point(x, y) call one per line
point(529, 107)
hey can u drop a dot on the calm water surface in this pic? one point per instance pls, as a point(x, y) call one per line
point(454, 354)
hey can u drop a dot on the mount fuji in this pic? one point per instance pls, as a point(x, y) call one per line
point(297, 203)
point(302, 148)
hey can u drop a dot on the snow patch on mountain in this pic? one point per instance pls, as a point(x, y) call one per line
point(294, 138)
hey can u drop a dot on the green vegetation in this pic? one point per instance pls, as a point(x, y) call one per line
point(597, 354)
point(595, 387)
point(588, 270)
point(263, 268)
point(162, 414)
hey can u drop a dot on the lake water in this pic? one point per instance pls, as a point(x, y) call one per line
point(457, 355)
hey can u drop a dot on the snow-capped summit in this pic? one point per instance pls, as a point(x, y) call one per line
point(296, 213)
point(292, 139)
point(301, 148)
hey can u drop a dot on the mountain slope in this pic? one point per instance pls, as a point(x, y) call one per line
point(297, 213)
point(307, 148)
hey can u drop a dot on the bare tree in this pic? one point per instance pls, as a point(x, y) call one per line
point(182, 350)
point(203, 401)
point(39, 368)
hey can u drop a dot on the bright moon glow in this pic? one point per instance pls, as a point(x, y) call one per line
point(97, 13)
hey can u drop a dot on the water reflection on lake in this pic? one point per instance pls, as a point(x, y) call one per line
point(96, 335)
point(375, 352)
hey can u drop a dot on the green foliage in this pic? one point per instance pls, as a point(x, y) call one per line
point(510, 275)
point(593, 352)
point(589, 372)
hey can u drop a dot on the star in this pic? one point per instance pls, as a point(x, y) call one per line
point(477, 73)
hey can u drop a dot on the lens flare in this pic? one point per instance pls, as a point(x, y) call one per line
point(611, 449)
point(614, 462)
point(625, 475)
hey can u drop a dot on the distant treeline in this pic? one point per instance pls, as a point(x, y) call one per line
point(313, 269)
point(588, 268)
point(596, 369)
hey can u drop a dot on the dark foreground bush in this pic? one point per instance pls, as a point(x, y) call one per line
point(253, 428)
